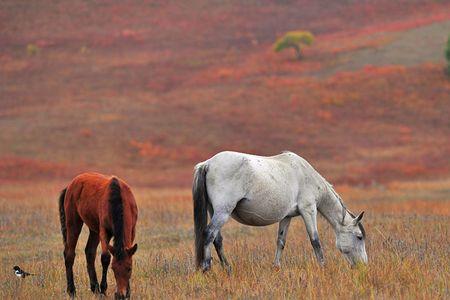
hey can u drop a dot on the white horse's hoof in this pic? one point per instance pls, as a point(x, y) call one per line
point(206, 265)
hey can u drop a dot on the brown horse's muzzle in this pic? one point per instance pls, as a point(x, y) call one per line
point(119, 296)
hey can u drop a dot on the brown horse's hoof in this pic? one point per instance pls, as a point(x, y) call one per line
point(103, 288)
point(72, 293)
point(95, 288)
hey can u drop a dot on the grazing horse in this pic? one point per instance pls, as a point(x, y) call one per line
point(108, 208)
point(259, 191)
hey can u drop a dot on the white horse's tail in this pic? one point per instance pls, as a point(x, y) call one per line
point(200, 197)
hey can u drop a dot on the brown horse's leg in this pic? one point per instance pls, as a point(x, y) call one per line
point(74, 225)
point(91, 251)
point(106, 259)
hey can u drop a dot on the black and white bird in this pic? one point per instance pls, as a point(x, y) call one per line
point(20, 273)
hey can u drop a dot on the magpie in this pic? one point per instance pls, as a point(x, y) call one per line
point(20, 273)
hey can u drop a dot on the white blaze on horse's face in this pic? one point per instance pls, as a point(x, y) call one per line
point(350, 240)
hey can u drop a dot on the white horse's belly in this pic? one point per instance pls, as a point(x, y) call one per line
point(261, 212)
point(262, 190)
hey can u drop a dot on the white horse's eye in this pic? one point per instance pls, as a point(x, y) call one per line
point(360, 237)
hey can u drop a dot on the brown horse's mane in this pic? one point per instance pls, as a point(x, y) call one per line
point(116, 210)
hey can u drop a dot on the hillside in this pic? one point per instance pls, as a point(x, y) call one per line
point(147, 90)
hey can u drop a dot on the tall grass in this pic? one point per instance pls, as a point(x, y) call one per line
point(408, 251)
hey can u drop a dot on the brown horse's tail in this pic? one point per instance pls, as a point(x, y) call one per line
point(116, 210)
point(200, 197)
point(62, 215)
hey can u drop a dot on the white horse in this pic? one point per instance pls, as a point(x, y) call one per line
point(259, 191)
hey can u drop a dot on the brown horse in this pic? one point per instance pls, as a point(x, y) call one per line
point(107, 206)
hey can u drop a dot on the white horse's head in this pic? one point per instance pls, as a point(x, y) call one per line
point(350, 240)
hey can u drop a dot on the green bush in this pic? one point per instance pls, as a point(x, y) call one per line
point(32, 49)
point(295, 40)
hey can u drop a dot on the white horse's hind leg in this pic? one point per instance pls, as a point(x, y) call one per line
point(212, 230)
point(218, 244)
point(310, 218)
point(281, 240)
point(219, 249)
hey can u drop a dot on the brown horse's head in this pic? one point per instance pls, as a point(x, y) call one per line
point(122, 264)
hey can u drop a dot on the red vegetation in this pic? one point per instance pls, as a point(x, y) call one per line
point(18, 168)
point(156, 152)
point(160, 87)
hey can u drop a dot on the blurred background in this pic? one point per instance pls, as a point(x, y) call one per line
point(146, 89)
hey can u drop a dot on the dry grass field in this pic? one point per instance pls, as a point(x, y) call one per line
point(408, 236)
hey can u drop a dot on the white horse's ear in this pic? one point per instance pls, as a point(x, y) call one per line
point(358, 218)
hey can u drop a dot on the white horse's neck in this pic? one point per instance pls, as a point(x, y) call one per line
point(331, 207)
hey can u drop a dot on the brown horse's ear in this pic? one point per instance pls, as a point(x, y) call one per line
point(132, 250)
point(111, 249)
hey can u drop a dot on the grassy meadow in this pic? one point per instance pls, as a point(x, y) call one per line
point(407, 227)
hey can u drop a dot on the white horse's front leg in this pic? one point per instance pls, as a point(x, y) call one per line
point(211, 232)
point(310, 219)
point(281, 239)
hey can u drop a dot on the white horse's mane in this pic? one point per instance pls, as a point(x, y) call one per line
point(333, 191)
point(344, 208)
